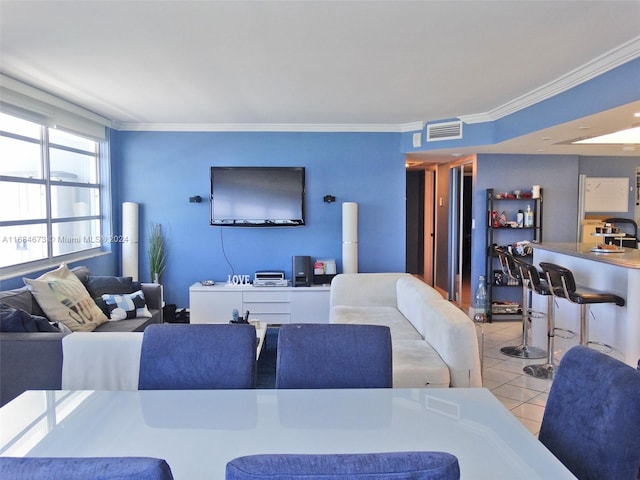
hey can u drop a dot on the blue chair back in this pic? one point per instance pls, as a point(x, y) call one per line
point(334, 356)
point(191, 357)
point(591, 420)
point(364, 466)
point(94, 468)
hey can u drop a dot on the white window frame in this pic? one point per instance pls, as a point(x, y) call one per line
point(22, 101)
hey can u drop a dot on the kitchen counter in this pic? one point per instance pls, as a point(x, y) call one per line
point(629, 258)
point(617, 273)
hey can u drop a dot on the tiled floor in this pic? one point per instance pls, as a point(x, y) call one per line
point(525, 396)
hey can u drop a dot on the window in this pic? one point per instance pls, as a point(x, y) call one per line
point(50, 204)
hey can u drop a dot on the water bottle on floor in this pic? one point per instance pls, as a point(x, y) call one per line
point(480, 306)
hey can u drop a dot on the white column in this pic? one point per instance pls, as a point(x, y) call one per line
point(130, 240)
point(350, 237)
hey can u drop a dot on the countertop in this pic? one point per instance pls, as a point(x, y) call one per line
point(630, 258)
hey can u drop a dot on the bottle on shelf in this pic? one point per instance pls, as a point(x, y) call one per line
point(528, 217)
point(480, 306)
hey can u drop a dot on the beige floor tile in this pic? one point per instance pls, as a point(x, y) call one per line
point(508, 402)
point(514, 392)
point(503, 376)
point(490, 362)
point(540, 399)
point(523, 395)
point(532, 426)
point(529, 412)
point(537, 384)
point(491, 384)
point(512, 365)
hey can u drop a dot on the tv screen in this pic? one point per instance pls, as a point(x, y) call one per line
point(257, 196)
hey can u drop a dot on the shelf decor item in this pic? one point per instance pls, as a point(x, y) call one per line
point(157, 252)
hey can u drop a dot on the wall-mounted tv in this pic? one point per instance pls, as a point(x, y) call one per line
point(257, 196)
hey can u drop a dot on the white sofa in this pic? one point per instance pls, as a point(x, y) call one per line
point(434, 343)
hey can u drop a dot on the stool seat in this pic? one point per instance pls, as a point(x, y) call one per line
point(585, 295)
point(564, 285)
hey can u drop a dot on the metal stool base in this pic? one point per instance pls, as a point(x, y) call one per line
point(545, 370)
point(524, 351)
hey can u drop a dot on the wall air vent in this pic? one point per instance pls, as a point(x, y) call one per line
point(444, 131)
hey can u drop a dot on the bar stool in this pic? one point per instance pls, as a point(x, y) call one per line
point(524, 350)
point(541, 287)
point(563, 285)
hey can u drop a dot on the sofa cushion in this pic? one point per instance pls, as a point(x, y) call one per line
point(15, 320)
point(21, 298)
point(82, 273)
point(416, 364)
point(98, 285)
point(126, 306)
point(64, 299)
point(386, 316)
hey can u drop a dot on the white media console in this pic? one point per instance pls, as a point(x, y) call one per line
point(272, 305)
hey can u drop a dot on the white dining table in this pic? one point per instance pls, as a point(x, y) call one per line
point(198, 431)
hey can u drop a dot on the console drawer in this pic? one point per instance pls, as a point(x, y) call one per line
point(261, 307)
point(266, 296)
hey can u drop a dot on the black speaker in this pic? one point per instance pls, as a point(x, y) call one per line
point(301, 270)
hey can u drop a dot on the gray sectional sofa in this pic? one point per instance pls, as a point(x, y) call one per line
point(434, 343)
point(32, 360)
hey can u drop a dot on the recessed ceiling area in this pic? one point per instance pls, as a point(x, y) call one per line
point(316, 65)
point(556, 140)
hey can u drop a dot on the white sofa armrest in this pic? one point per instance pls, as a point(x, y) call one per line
point(454, 336)
point(364, 289)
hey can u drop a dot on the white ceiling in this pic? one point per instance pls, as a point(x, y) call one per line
point(366, 64)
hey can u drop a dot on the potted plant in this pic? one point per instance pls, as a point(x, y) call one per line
point(157, 253)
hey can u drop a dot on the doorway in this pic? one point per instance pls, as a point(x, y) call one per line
point(460, 233)
point(420, 224)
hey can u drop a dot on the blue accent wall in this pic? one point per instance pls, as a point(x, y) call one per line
point(161, 170)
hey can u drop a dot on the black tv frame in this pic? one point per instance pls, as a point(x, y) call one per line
point(258, 222)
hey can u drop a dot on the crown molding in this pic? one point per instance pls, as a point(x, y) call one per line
point(275, 127)
point(614, 58)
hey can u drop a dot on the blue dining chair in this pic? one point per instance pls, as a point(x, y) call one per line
point(362, 466)
point(334, 356)
point(79, 468)
point(591, 421)
point(191, 357)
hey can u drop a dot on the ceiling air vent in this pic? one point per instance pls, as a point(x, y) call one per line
point(444, 131)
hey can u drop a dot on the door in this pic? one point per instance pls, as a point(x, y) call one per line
point(420, 226)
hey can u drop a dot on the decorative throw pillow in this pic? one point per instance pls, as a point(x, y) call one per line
point(98, 285)
point(126, 306)
point(64, 299)
point(16, 320)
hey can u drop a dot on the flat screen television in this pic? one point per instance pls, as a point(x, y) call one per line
point(257, 196)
